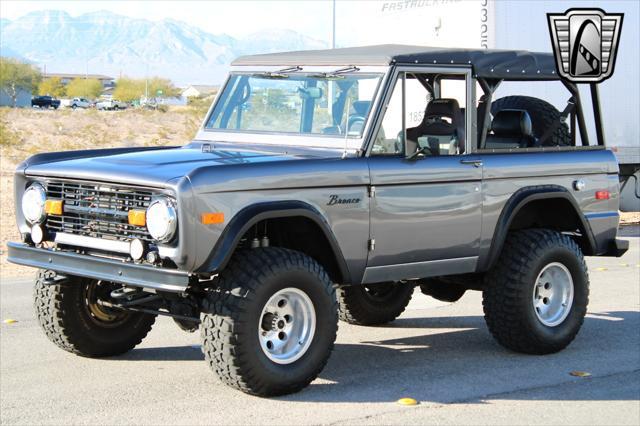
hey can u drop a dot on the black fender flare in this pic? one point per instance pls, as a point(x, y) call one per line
point(250, 215)
point(520, 199)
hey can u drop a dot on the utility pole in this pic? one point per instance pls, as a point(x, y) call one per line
point(333, 46)
point(333, 31)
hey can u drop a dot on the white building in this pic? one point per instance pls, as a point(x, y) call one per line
point(198, 90)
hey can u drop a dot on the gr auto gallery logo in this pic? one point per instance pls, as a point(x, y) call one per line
point(585, 43)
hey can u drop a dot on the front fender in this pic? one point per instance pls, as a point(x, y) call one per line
point(250, 215)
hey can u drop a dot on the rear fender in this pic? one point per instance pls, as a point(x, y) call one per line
point(517, 202)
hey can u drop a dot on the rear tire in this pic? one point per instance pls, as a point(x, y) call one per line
point(71, 319)
point(536, 296)
point(542, 114)
point(373, 304)
point(258, 343)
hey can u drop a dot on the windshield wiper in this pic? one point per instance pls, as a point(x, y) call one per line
point(335, 74)
point(283, 73)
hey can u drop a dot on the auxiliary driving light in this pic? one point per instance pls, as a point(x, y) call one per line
point(37, 234)
point(136, 249)
point(153, 257)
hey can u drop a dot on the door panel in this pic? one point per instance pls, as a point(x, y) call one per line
point(424, 210)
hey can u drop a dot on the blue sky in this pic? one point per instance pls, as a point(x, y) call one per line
point(312, 18)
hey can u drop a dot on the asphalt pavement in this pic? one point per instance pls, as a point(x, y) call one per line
point(441, 354)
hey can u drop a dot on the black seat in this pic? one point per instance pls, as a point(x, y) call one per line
point(441, 129)
point(357, 115)
point(511, 128)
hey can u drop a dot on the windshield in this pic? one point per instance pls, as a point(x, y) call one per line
point(309, 104)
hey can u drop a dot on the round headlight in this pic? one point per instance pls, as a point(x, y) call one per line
point(161, 219)
point(33, 201)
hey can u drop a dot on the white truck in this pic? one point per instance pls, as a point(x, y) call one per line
point(76, 103)
point(111, 105)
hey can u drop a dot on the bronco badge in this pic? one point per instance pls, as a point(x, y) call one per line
point(334, 199)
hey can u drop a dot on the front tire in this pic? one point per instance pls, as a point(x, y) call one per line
point(373, 304)
point(71, 318)
point(536, 296)
point(270, 326)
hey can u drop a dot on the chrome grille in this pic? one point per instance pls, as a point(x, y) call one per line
point(97, 210)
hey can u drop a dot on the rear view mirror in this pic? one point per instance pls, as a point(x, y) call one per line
point(310, 93)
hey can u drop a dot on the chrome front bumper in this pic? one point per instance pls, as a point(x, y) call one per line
point(99, 268)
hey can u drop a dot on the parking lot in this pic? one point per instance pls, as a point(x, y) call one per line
point(438, 353)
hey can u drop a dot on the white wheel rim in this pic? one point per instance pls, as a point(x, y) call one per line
point(287, 325)
point(553, 294)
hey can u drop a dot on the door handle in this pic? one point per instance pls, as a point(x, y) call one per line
point(475, 163)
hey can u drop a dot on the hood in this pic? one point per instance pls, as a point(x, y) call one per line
point(158, 166)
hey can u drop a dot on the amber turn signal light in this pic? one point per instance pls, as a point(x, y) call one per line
point(53, 207)
point(212, 218)
point(137, 217)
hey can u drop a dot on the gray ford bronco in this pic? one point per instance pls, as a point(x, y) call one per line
point(327, 185)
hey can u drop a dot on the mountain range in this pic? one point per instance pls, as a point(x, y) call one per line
point(113, 44)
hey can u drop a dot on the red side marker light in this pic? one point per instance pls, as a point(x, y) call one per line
point(603, 195)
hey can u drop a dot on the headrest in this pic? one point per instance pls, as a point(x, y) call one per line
point(360, 107)
point(443, 107)
point(511, 122)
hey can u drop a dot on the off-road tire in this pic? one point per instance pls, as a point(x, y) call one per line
point(229, 328)
point(62, 315)
point(357, 305)
point(509, 285)
point(542, 114)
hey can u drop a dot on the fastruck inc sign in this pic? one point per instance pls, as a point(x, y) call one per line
point(585, 43)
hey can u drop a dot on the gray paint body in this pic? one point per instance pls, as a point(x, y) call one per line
point(431, 216)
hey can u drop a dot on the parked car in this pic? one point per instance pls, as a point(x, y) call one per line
point(111, 104)
point(78, 103)
point(45, 102)
point(282, 218)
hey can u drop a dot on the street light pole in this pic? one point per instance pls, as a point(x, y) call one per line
point(333, 30)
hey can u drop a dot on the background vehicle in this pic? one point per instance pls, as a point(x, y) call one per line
point(45, 102)
point(78, 103)
point(325, 185)
point(111, 104)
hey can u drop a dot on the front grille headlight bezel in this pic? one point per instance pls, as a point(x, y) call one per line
point(162, 219)
point(33, 203)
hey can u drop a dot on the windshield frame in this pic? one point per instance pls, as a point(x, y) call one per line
point(312, 140)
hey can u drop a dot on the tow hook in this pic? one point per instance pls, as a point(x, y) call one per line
point(56, 279)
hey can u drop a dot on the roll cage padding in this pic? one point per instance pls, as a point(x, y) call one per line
point(249, 216)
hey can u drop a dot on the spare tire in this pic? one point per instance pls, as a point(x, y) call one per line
point(543, 115)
